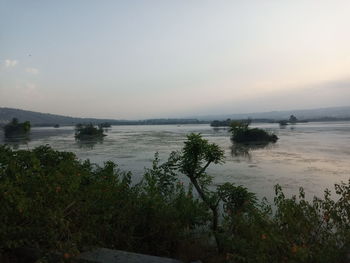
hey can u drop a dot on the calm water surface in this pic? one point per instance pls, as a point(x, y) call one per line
point(312, 155)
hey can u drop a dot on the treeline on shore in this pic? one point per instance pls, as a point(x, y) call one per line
point(214, 123)
point(130, 122)
point(53, 202)
point(49, 120)
point(227, 122)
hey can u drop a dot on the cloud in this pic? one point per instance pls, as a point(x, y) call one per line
point(33, 71)
point(10, 63)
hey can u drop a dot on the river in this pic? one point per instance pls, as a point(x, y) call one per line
point(313, 155)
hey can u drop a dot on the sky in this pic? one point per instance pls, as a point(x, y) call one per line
point(140, 59)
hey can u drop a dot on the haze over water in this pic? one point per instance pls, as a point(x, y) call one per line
point(312, 155)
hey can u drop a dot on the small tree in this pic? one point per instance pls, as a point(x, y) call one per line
point(196, 157)
point(293, 119)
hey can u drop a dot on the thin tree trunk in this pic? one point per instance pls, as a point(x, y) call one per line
point(214, 210)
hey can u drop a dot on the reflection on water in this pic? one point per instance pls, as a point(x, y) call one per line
point(16, 141)
point(312, 155)
point(244, 149)
point(89, 143)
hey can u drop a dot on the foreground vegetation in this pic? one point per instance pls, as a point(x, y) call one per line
point(53, 202)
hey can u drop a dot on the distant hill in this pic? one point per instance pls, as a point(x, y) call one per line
point(309, 114)
point(47, 119)
point(38, 118)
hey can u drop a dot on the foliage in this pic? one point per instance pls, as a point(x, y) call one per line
point(293, 119)
point(88, 131)
point(195, 158)
point(14, 128)
point(241, 133)
point(52, 201)
point(297, 231)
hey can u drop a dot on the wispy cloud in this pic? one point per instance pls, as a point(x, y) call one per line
point(10, 63)
point(33, 71)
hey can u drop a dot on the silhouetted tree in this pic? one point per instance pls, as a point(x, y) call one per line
point(293, 119)
point(196, 157)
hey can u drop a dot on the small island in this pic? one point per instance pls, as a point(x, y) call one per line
point(88, 131)
point(15, 128)
point(283, 123)
point(242, 133)
point(224, 123)
point(292, 120)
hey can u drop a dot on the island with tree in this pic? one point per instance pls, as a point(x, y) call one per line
point(15, 128)
point(242, 133)
point(88, 131)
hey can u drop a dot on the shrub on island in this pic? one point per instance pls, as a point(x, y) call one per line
point(15, 128)
point(88, 131)
point(242, 133)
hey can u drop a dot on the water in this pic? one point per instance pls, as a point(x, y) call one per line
point(312, 155)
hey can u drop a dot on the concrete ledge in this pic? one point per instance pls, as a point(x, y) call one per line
point(104, 255)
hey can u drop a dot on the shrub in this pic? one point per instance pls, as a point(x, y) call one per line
point(53, 202)
point(241, 133)
point(88, 131)
point(297, 231)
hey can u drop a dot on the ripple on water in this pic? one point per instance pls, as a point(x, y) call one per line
point(313, 155)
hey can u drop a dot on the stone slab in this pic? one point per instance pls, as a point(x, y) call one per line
point(104, 255)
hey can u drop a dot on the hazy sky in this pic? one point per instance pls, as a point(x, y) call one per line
point(141, 59)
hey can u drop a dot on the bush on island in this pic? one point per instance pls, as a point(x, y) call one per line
point(15, 128)
point(242, 133)
point(88, 131)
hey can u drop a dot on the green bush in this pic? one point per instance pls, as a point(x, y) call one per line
point(52, 201)
point(248, 231)
point(297, 231)
point(88, 131)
